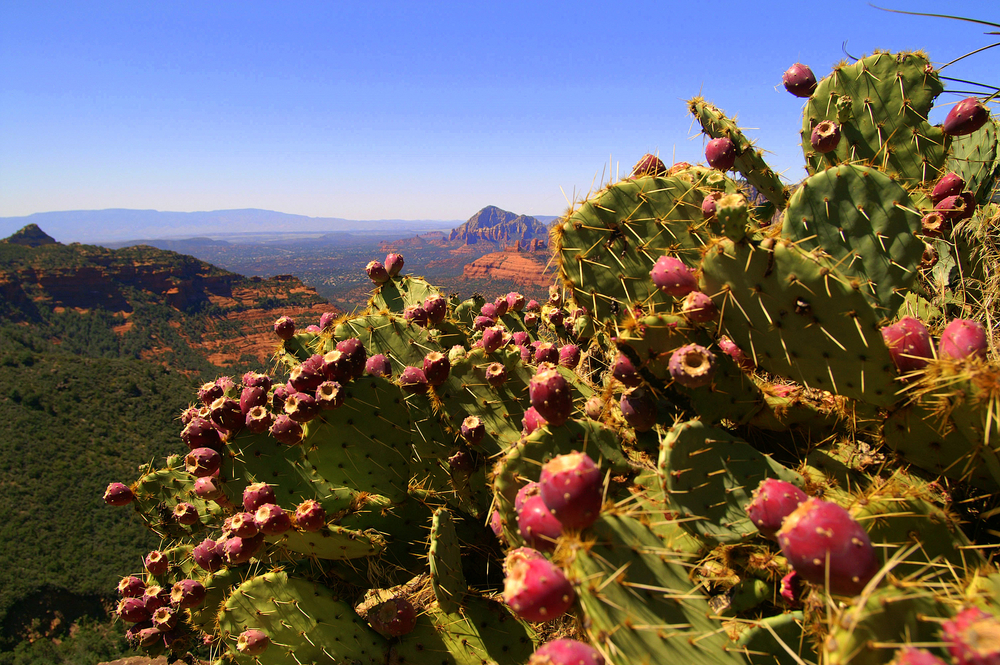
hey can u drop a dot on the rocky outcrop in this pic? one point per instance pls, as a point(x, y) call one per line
point(491, 224)
point(30, 236)
point(526, 270)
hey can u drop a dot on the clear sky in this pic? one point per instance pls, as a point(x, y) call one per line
point(429, 110)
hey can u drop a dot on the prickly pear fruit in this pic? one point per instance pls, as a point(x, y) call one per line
point(569, 355)
point(310, 516)
point(237, 550)
point(546, 352)
point(729, 347)
point(436, 308)
point(202, 462)
point(394, 617)
point(209, 392)
point(673, 277)
point(699, 308)
point(187, 593)
point(416, 314)
point(131, 587)
point(594, 407)
point(132, 610)
point(286, 430)
point(710, 203)
point(799, 80)
point(913, 656)
point(118, 494)
point(284, 328)
point(329, 395)
point(200, 433)
point(965, 117)
point(378, 365)
point(156, 563)
point(551, 397)
point(356, 355)
point(973, 637)
point(909, 344)
point(155, 596)
point(624, 370)
point(535, 589)
point(252, 396)
point(571, 487)
point(256, 495)
point(185, 514)
point(252, 642)
point(950, 184)
point(393, 264)
point(165, 618)
point(272, 520)
point(825, 136)
point(638, 409)
point(436, 368)
point(473, 430)
point(692, 366)
point(531, 421)
point(301, 407)
point(376, 272)
point(648, 165)
point(771, 503)
point(821, 541)
point(565, 651)
point(241, 525)
point(496, 374)
point(207, 555)
point(952, 207)
point(721, 153)
point(963, 339)
point(413, 381)
point(539, 527)
point(500, 305)
point(492, 339)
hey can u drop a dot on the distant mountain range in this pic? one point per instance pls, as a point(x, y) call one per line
point(117, 224)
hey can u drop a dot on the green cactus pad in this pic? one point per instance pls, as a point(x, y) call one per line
point(331, 542)
point(866, 222)
point(769, 640)
point(881, 104)
point(401, 292)
point(260, 458)
point(796, 315)
point(302, 619)
point(403, 342)
point(159, 490)
point(750, 161)
point(708, 476)
point(447, 579)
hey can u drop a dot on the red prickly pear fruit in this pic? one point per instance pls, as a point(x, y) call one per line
point(393, 264)
point(571, 487)
point(565, 651)
point(671, 276)
point(200, 433)
point(284, 328)
point(492, 339)
point(306, 377)
point(532, 306)
point(728, 347)
point(256, 495)
point(164, 618)
point(241, 525)
point(187, 593)
point(462, 463)
point(202, 462)
point(973, 637)
point(155, 597)
point(473, 430)
point(569, 355)
point(594, 408)
point(209, 392)
point(496, 375)
point(142, 634)
point(118, 494)
point(207, 555)
point(252, 642)
point(515, 301)
point(546, 352)
point(799, 80)
point(822, 541)
point(790, 587)
point(207, 488)
point(555, 317)
point(771, 503)
point(310, 516)
point(329, 395)
point(551, 397)
point(909, 344)
point(648, 165)
point(952, 207)
point(378, 365)
point(185, 514)
point(963, 339)
point(496, 524)
point(913, 656)
point(355, 352)
point(482, 323)
point(638, 409)
point(489, 310)
point(932, 225)
point(131, 587)
point(531, 320)
point(132, 610)
point(376, 272)
point(950, 184)
point(721, 153)
point(966, 117)
point(555, 296)
point(226, 414)
point(413, 381)
point(535, 589)
point(238, 550)
point(525, 493)
point(286, 431)
point(500, 305)
point(301, 407)
point(531, 421)
point(436, 308)
point(624, 370)
point(825, 136)
point(709, 204)
point(252, 396)
point(326, 319)
point(436, 368)
point(416, 314)
point(393, 618)
point(272, 520)
point(156, 563)
point(692, 366)
point(257, 380)
point(699, 308)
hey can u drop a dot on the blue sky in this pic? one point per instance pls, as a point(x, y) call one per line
point(407, 110)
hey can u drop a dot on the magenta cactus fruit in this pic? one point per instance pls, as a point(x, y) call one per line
point(207, 555)
point(496, 374)
point(571, 487)
point(337, 367)
point(515, 301)
point(624, 370)
point(966, 117)
point(155, 596)
point(569, 355)
point(326, 319)
point(673, 277)
point(771, 503)
point(393, 263)
point(546, 352)
point(284, 328)
point(416, 314)
point(238, 550)
point(500, 305)
point(699, 308)
point(329, 395)
point(413, 381)
point(252, 642)
point(473, 430)
point(165, 618)
point(799, 80)
point(550, 396)
point(952, 207)
point(118, 494)
point(825, 136)
point(202, 462)
point(532, 420)
point(531, 320)
point(252, 396)
point(721, 154)
point(729, 347)
point(535, 589)
point(638, 409)
point(436, 368)
point(394, 617)
point(310, 516)
point(692, 366)
point(648, 165)
point(973, 637)
point(287, 431)
point(489, 310)
point(241, 525)
point(529, 490)
point(539, 527)
point(356, 355)
point(436, 308)
point(209, 392)
point(301, 407)
point(156, 563)
point(565, 651)
point(208, 488)
point(272, 520)
point(256, 495)
point(710, 203)
point(257, 380)
point(555, 317)
point(131, 587)
point(594, 408)
point(132, 610)
point(187, 593)
point(963, 339)
point(823, 542)
point(226, 414)
point(914, 656)
point(201, 433)
point(378, 365)
point(492, 339)
point(909, 344)
point(186, 514)
point(950, 184)
point(790, 587)
point(376, 272)
point(482, 323)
